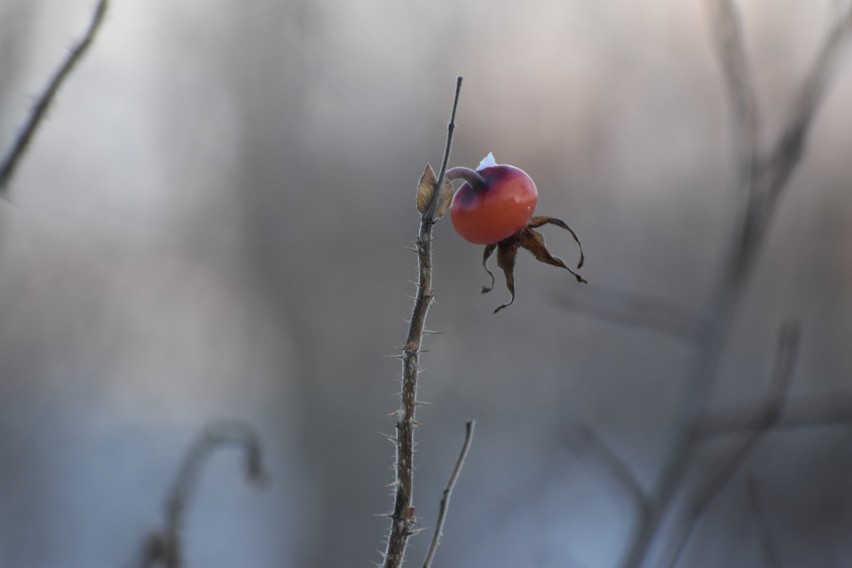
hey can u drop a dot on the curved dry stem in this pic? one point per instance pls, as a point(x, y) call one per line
point(165, 548)
point(470, 176)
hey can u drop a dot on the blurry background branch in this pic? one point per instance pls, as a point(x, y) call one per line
point(768, 544)
point(803, 411)
point(636, 311)
point(19, 145)
point(723, 469)
point(166, 547)
point(763, 182)
point(583, 440)
point(769, 175)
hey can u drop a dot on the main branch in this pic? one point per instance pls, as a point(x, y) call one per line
point(403, 520)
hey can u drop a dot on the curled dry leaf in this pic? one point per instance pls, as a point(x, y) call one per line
point(533, 241)
point(426, 189)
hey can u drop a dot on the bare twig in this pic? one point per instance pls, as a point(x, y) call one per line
point(771, 556)
point(165, 548)
point(613, 464)
point(451, 127)
point(448, 491)
point(39, 110)
point(723, 470)
point(403, 519)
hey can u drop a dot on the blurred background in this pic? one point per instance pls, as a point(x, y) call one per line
point(213, 224)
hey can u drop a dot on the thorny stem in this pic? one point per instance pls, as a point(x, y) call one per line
point(403, 519)
point(39, 110)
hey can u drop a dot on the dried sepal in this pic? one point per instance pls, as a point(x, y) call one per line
point(507, 251)
point(426, 189)
point(533, 241)
point(445, 199)
point(539, 220)
point(486, 254)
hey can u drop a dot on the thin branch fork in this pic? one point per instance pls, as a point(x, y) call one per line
point(403, 519)
point(18, 148)
point(585, 438)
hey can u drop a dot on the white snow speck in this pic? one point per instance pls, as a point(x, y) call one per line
point(487, 162)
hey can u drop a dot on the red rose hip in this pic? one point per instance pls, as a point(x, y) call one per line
point(489, 212)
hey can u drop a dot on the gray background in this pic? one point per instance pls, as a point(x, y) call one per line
point(213, 224)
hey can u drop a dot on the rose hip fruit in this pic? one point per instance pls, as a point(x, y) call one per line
point(489, 212)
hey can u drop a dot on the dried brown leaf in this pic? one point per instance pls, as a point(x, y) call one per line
point(425, 189)
point(446, 199)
